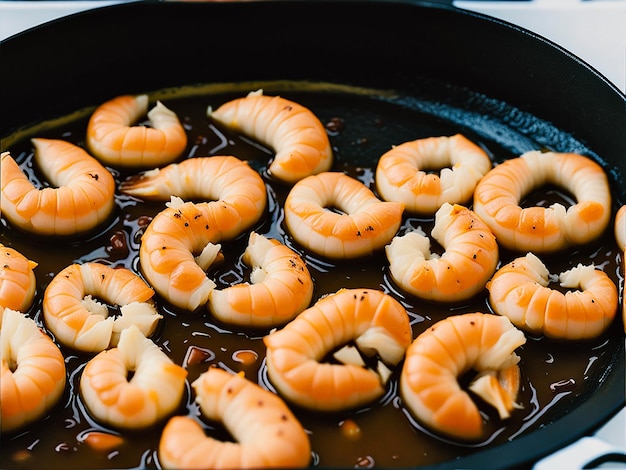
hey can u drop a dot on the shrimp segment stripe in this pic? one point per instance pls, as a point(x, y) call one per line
point(267, 433)
point(462, 271)
point(82, 323)
point(374, 320)
point(297, 136)
point(437, 357)
point(113, 139)
point(33, 374)
point(520, 291)
point(153, 392)
point(401, 173)
point(17, 280)
point(82, 199)
point(366, 224)
point(539, 229)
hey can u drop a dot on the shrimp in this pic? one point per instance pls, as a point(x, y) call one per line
point(80, 322)
point(620, 227)
point(429, 384)
point(300, 142)
point(33, 372)
point(401, 172)
point(169, 245)
point(470, 258)
point(544, 229)
point(113, 138)
point(281, 287)
point(620, 237)
point(17, 280)
point(82, 199)
point(365, 225)
point(222, 179)
point(520, 291)
point(154, 391)
point(376, 322)
point(267, 433)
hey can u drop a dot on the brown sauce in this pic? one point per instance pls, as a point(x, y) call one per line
point(555, 375)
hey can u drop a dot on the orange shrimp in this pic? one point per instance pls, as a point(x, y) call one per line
point(520, 291)
point(267, 433)
point(17, 280)
point(620, 237)
point(470, 258)
point(620, 227)
point(169, 245)
point(366, 224)
point(300, 142)
point(82, 199)
point(440, 355)
point(281, 287)
point(544, 229)
point(374, 320)
point(223, 179)
point(33, 372)
point(113, 138)
point(154, 391)
point(401, 173)
point(80, 322)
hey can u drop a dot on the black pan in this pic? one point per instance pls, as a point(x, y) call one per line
point(426, 64)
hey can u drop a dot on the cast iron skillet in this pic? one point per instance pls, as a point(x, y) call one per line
point(428, 52)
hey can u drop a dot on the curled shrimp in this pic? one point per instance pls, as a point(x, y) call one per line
point(440, 355)
point(376, 322)
point(181, 243)
point(402, 173)
point(113, 138)
point(17, 280)
point(281, 287)
point(365, 225)
point(544, 229)
point(620, 228)
point(221, 179)
point(267, 433)
point(154, 391)
point(79, 321)
point(470, 257)
point(82, 199)
point(300, 142)
point(520, 291)
point(33, 372)
point(620, 237)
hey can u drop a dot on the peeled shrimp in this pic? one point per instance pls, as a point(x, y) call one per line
point(79, 321)
point(113, 138)
point(620, 227)
point(470, 258)
point(281, 287)
point(376, 322)
point(224, 180)
point(17, 280)
point(401, 173)
point(83, 196)
point(154, 391)
point(365, 225)
point(170, 243)
point(544, 229)
point(620, 237)
point(266, 432)
point(33, 373)
point(440, 355)
point(520, 291)
point(296, 135)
